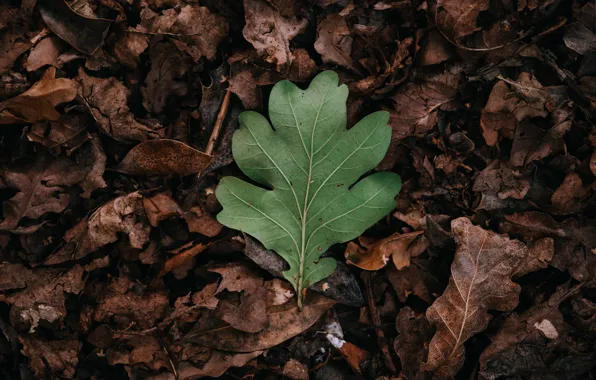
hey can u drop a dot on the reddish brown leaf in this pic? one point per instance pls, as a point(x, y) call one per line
point(163, 157)
point(250, 315)
point(334, 41)
point(202, 222)
point(160, 207)
point(480, 280)
point(60, 355)
point(182, 255)
point(457, 18)
point(44, 53)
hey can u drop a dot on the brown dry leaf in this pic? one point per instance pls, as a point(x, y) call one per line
point(416, 280)
point(593, 163)
point(119, 300)
point(531, 143)
point(270, 33)
point(42, 189)
point(68, 133)
point(480, 280)
point(85, 34)
point(163, 157)
point(107, 100)
point(334, 41)
point(570, 195)
point(411, 344)
point(279, 292)
point(160, 207)
point(120, 215)
point(457, 18)
point(43, 296)
point(166, 78)
point(540, 254)
point(129, 47)
point(193, 28)
point(60, 355)
point(202, 222)
point(15, 36)
point(285, 322)
point(526, 327)
point(139, 349)
point(434, 49)
point(498, 179)
point(44, 53)
point(219, 362)
point(39, 102)
point(182, 256)
point(376, 254)
point(93, 157)
point(250, 315)
point(246, 88)
point(416, 105)
point(237, 277)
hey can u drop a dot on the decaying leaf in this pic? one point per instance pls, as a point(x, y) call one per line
point(83, 33)
point(480, 280)
point(334, 41)
point(39, 102)
point(108, 103)
point(163, 157)
point(120, 215)
point(56, 356)
point(68, 132)
point(285, 322)
point(311, 161)
point(270, 33)
point(376, 254)
point(42, 188)
point(144, 350)
point(457, 18)
point(411, 345)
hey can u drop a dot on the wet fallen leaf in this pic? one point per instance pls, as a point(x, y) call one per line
point(376, 254)
point(85, 34)
point(480, 280)
point(163, 157)
point(270, 33)
point(39, 102)
point(120, 215)
point(285, 322)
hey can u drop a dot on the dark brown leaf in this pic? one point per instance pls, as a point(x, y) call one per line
point(55, 356)
point(411, 344)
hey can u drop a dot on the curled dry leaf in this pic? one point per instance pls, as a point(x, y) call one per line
point(181, 256)
point(107, 100)
point(42, 189)
point(39, 102)
point(334, 41)
point(480, 280)
point(270, 33)
point(85, 34)
point(375, 255)
point(120, 215)
point(163, 157)
point(285, 322)
point(93, 157)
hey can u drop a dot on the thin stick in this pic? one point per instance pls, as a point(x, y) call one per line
point(374, 314)
point(219, 122)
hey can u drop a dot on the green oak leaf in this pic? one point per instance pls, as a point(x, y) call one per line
point(310, 162)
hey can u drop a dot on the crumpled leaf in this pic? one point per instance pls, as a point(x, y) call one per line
point(120, 215)
point(194, 29)
point(416, 105)
point(285, 322)
point(311, 206)
point(480, 280)
point(39, 102)
point(334, 41)
point(138, 349)
point(85, 34)
point(107, 100)
point(166, 78)
point(500, 180)
point(129, 47)
point(270, 33)
point(43, 294)
point(163, 157)
point(457, 18)
point(375, 254)
point(61, 355)
point(93, 157)
point(15, 36)
point(69, 132)
point(41, 186)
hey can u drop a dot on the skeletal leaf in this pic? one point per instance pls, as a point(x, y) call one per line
point(310, 160)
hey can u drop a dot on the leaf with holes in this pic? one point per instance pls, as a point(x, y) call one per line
point(310, 161)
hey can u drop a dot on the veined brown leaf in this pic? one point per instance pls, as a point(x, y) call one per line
point(480, 280)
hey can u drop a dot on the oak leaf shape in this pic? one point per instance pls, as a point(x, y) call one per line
point(310, 160)
point(480, 280)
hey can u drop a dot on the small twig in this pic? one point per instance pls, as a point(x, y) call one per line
point(219, 122)
point(374, 314)
point(163, 346)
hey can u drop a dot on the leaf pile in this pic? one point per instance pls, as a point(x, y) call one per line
point(144, 235)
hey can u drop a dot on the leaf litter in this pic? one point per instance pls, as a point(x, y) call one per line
point(117, 126)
